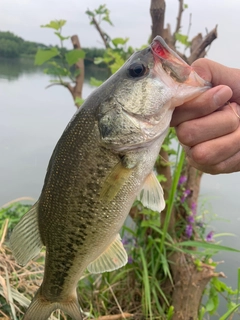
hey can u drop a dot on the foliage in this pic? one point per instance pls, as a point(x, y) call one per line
point(183, 39)
point(102, 13)
point(13, 213)
point(116, 52)
point(91, 54)
point(12, 46)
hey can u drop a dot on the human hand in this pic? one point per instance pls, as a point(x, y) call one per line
point(208, 127)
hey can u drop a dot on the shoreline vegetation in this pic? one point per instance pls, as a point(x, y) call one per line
point(15, 47)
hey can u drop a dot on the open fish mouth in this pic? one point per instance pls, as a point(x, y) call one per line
point(174, 65)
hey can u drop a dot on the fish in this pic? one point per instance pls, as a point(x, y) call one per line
point(101, 164)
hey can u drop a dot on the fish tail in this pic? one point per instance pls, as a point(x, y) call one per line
point(41, 308)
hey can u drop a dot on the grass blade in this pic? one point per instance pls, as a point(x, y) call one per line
point(177, 173)
point(147, 292)
point(229, 312)
point(206, 245)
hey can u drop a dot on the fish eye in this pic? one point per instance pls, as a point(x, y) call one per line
point(137, 69)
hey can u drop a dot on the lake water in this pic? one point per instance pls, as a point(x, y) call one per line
point(32, 119)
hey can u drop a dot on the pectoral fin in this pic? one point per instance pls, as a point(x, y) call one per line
point(151, 196)
point(25, 240)
point(114, 182)
point(114, 257)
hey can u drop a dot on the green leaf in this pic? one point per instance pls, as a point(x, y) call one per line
point(238, 283)
point(224, 234)
point(219, 285)
point(210, 305)
point(170, 313)
point(95, 82)
point(201, 313)
point(45, 55)
point(73, 56)
point(98, 60)
point(57, 70)
point(60, 72)
point(161, 178)
point(79, 101)
point(150, 223)
point(102, 9)
point(107, 19)
point(182, 39)
point(55, 24)
point(60, 36)
point(206, 245)
point(90, 13)
point(117, 41)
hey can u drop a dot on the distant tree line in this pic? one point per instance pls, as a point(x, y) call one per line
point(12, 46)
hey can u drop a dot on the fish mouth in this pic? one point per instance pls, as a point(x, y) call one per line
point(174, 65)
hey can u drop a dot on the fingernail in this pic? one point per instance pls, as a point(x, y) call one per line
point(222, 96)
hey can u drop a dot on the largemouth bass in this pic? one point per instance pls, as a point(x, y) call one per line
point(102, 162)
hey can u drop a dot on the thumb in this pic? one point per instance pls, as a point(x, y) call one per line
point(218, 74)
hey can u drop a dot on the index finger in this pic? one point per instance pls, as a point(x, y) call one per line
point(203, 105)
point(217, 74)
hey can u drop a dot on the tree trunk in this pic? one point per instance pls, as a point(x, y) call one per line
point(189, 285)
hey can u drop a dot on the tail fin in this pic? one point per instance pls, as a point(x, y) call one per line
point(41, 308)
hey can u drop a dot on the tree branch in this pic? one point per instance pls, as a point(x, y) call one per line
point(199, 45)
point(76, 91)
point(179, 19)
point(103, 35)
point(157, 11)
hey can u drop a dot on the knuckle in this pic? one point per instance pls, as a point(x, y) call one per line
point(234, 123)
point(200, 154)
point(185, 134)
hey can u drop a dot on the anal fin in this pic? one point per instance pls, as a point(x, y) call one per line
point(25, 241)
point(151, 195)
point(114, 257)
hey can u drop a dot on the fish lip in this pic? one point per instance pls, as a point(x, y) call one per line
point(172, 63)
point(160, 49)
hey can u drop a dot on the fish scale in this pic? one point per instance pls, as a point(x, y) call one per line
point(102, 162)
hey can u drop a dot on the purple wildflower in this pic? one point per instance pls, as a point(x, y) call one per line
point(191, 219)
point(194, 208)
point(182, 180)
point(209, 236)
point(186, 193)
point(130, 260)
point(125, 241)
point(189, 230)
